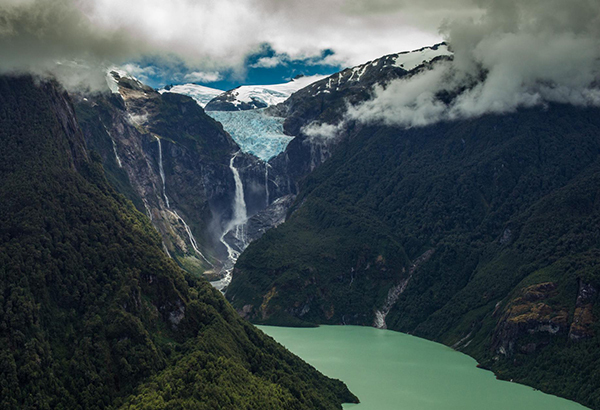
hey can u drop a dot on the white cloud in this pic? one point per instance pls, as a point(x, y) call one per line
point(322, 131)
point(527, 52)
point(141, 73)
point(269, 62)
point(203, 77)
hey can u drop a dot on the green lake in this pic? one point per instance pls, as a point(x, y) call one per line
point(394, 371)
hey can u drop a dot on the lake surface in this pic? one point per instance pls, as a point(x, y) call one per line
point(394, 371)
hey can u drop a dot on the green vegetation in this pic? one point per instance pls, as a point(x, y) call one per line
point(505, 202)
point(92, 313)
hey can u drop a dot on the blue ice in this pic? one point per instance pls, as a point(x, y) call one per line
point(254, 131)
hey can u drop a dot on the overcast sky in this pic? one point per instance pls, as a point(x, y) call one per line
point(209, 37)
point(507, 53)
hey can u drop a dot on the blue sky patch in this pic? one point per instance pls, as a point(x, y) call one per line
point(261, 68)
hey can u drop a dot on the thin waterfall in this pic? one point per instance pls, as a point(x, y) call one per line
point(239, 204)
point(162, 171)
point(166, 250)
point(185, 225)
point(267, 182)
point(147, 209)
point(191, 237)
point(114, 145)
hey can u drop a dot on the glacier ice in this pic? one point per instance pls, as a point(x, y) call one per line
point(254, 131)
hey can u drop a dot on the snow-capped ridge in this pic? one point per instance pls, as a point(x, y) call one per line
point(379, 70)
point(259, 96)
point(116, 77)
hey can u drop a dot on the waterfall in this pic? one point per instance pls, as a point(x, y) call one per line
point(185, 225)
point(191, 237)
point(147, 209)
point(166, 250)
point(114, 145)
point(236, 225)
point(267, 182)
point(395, 291)
point(239, 204)
point(162, 171)
point(228, 265)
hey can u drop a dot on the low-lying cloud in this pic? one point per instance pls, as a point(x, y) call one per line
point(518, 54)
point(322, 131)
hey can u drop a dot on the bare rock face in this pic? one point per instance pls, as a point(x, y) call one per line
point(228, 102)
point(172, 160)
point(271, 217)
point(529, 314)
point(583, 317)
point(531, 321)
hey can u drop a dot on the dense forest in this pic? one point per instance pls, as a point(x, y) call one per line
point(482, 234)
point(93, 315)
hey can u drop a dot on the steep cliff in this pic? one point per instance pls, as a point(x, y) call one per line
point(173, 161)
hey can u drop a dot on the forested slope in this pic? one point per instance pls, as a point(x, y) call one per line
point(483, 234)
point(93, 315)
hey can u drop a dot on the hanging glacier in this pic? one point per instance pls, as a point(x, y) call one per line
point(254, 131)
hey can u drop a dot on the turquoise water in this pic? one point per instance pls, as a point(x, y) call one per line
point(394, 371)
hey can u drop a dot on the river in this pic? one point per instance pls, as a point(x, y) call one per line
point(394, 371)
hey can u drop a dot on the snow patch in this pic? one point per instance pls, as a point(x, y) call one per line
point(411, 60)
point(201, 94)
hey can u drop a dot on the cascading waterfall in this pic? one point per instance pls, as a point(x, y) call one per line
point(236, 226)
point(185, 225)
point(114, 144)
point(166, 249)
point(147, 209)
point(239, 204)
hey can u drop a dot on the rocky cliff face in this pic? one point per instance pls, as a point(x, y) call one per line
point(173, 161)
point(534, 319)
point(228, 101)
